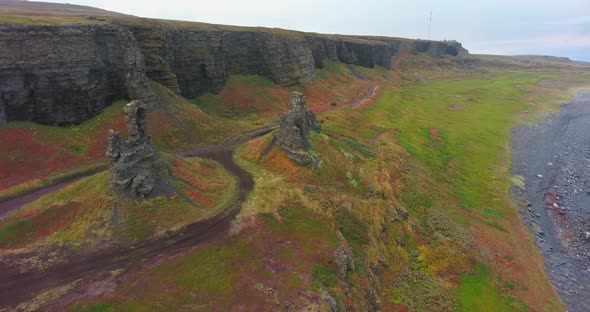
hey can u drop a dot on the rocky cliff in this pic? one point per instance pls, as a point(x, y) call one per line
point(191, 62)
point(67, 74)
point(447, 48)
point(348, 50)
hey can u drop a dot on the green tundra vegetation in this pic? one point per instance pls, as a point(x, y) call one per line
point(407, 208)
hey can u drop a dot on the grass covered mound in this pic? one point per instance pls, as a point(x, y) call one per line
point(83, 214)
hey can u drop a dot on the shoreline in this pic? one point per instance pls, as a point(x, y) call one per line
point(552, 159)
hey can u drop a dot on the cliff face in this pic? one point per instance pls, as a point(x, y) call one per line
point(357, 52)
point(429, 47)
point(67, 74)
point(191, 62)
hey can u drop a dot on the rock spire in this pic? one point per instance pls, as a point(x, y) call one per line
point(294, 126)
point(133, 162)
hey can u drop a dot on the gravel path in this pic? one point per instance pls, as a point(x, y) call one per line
point(17, 203)
point(553, 157)
point(370, 92)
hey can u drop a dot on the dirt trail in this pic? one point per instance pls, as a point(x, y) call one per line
point(19, 202)
point(23, 200)
point(355, 73)
point(370, 92)
point(554, 159)
point(17, 287)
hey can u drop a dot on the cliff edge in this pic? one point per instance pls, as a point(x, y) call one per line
point(69, 71)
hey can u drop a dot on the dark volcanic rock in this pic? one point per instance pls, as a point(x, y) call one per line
point(366, 53)
point(294, 126)
point(192, 62)
point(67, 74)
point(448, 48)
point(133, 162)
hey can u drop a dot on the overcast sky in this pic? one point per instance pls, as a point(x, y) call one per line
point(550, 27)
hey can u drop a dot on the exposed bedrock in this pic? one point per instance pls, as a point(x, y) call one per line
point(192, 62)
point(447, 48)
point(67, 74)
point(294, 127)
point(134, 166)
point(350, 51)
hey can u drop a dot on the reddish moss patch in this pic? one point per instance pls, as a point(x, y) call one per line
point(202, 182)
point(266, 268)
point(33, 226)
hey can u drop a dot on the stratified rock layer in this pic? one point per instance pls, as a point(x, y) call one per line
point(63, 75)
point(294, 127)
point(133, 162)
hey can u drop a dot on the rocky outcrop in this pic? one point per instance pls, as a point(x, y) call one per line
point(447, 48)
point(293, 128)
point(63, 75)
point(343, 257)
point(438, 48)
point(134, 167)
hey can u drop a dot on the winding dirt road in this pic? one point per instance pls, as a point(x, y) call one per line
point(17, 287)
point(21, 201)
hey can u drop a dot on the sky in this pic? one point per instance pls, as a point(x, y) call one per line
point(508, 27)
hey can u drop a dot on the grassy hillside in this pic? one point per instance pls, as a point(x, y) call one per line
point(409, 208)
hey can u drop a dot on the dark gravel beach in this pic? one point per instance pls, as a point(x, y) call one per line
point(553, 159)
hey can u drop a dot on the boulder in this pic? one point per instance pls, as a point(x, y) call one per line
point(133, 162)
point(293, 128)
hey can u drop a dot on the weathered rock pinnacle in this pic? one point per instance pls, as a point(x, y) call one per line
point(294, 126)
point(133, 162)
